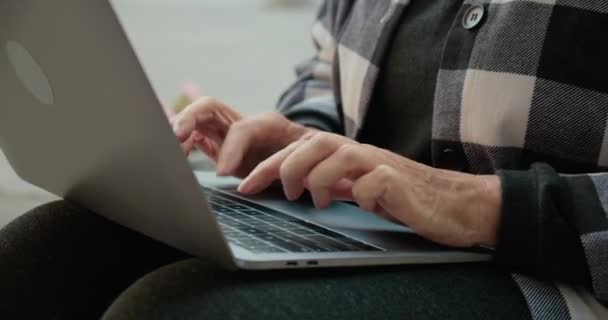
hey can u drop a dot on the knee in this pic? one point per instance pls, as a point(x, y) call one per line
point(43, 226)
point(44, 215)
point(157, 294)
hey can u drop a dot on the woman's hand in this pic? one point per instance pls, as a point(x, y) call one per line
point(237, 144)
point(450, 208)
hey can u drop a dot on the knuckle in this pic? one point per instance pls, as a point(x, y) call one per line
point(322, 139)
point(358, 193)
point(271, 116)
point(348, 153)
point(207, 101)
point(181, 123)
point(385, 173)
point(180, 120)
point(286, 170)
point(199, 106)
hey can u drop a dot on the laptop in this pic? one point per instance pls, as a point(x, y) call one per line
point(79, 118)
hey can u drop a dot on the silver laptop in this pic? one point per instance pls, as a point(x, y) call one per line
point(79, 118)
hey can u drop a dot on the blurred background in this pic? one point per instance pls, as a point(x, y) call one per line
point(241, 51)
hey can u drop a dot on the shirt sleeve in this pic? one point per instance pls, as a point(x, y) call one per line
point(310, 100)
point(555, 226)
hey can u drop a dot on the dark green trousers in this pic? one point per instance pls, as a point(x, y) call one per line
point(62, 262)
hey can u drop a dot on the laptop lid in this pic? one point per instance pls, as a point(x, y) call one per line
point(79, 119)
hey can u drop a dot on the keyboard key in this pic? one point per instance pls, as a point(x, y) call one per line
point(288, 236)
point(233, 223)
point(252, 242)
point(237, 237)
point(253, 213)
point(332, 243)
point(285, 225)
point(269, 219)
point(229, 232)
point(253, 231)
point(222, 218)
point(219, 201)
point(315, 246)
point(248, 221)
point(291, 247)
point(256, 223)
point(236, 215)
point(302, 231)
point(223, 210)
point(269, 238)
point(237, 207)
point(269, 228)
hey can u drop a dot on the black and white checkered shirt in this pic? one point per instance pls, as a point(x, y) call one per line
point(522, 92)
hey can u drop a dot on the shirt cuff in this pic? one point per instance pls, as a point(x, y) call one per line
point(517, 234)
point(536, 236)
point(312, 122)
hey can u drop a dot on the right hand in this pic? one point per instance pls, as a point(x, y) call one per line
point(237, 144)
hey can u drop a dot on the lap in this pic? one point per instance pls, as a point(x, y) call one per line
point(62, 261)
point(194, 289)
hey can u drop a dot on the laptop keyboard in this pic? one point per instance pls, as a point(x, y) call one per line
point(264, 230)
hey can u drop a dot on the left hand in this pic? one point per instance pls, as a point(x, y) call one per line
point(451, 208)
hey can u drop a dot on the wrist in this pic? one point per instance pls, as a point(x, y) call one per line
point(489, 210)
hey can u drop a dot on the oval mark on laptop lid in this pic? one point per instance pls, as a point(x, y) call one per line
point(30, 73)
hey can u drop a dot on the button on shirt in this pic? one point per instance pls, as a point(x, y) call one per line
point(473, 17)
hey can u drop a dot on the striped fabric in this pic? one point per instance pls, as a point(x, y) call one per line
point(544, 299)
point(528, 85)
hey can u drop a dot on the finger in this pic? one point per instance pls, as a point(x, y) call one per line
point(370, 190)
point(297, 166)
point(349, 162)
point(267, 171)
point(172, 120)
point(207, 146)
point(187, 145)
point(237, 143)
point(186, 122)
point(342, 191)
point(201, 114)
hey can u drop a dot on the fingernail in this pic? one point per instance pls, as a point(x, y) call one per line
point(221, 171)
point(293, 191)
point(316, 202)
point(247, 187)
point(288, 194)
point(224, 168)
point(178, 130)
point(321, 200)
point(243, 188)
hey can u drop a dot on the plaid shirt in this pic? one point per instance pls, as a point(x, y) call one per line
point(527, 85)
